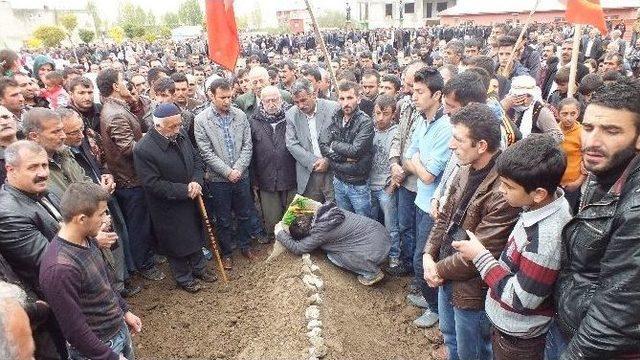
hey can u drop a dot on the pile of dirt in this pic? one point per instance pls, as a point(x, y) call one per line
point(260, 315)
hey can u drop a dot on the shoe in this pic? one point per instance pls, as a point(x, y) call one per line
point(207, 254)
point(394, 261)
point(398, 271)
point(262, 239)
point(414, 288)
point(417, 301)
point(227, 264)
point(207, 276)
point(426, 320)
point(191, 287)
point(130, 290)
point(248, 253)
point(368, 281)
point(159, 259)
point(153, 274)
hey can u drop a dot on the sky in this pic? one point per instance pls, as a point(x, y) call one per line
point(159, 7)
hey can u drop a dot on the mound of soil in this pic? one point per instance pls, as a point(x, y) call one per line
point(259, 315)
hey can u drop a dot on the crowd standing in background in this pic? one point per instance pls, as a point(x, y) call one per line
point(512, 205)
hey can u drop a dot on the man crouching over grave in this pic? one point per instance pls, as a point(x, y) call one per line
point(351, 241)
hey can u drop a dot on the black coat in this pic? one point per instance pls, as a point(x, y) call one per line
point(274, 169)
point(165, 169)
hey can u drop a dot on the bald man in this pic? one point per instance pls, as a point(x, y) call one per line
point(258, 79)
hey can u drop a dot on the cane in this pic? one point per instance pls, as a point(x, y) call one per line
point(212, 237)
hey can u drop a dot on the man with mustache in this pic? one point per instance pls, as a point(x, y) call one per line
point(29, 220)
point(597, 293)
point(8, 131)
point(347, 142)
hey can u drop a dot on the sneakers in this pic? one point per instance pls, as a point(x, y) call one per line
point(399, 270)
point(207, 254)
point(370, 280)
point(159, 259)
point(227, 263)
point(153, 274)
point(417, 301)
point(191, 287)
point(248, 253)
point(426, 320)
point(261, 239)
point(130, 290)
point(414, 288)
point(207, 276)
point(393, 261)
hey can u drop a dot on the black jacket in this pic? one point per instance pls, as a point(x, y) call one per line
point(165, 169)
point(26, 228)
point(348, 148)
point(598, 288)
point(273, 167)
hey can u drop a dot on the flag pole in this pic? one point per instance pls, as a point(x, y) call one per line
point(577, 36)
point(320, 39)
point(506, 71)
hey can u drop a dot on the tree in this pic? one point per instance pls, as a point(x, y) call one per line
point(332, 19)
point(93, 10)
point(116, 34)
point(51, 36)
point(69, 21)
point(189, 13)
point(256, 18)
point(242, 22)
point(86, 35)
point(171, 20)
point(34, 43)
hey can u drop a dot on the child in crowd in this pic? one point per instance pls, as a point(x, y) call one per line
point(383, 194)
point(55, 94)
point(575, 175)
point(521, 281)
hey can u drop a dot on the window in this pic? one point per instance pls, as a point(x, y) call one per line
point(441, 6)
point(388, 10)
point(409, 8)
point(427, 9)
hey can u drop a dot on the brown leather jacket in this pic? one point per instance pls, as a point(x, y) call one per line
point(120, 131)
point(490, 217)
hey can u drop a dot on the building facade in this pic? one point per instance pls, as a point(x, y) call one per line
point(399, 13)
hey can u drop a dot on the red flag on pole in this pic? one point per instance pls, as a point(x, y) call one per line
point(588, 12)
point(222, 33)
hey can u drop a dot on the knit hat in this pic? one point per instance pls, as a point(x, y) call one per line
point(166, 110)
point(39, 62)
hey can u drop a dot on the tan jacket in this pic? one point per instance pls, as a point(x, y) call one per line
point(119, 130)
point(490, 218)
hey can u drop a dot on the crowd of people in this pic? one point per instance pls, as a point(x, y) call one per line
point(449, 155)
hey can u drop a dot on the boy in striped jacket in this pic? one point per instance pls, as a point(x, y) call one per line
point(520, 283)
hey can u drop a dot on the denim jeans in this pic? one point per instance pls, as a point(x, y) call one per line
point(424, 223)
point(354, 198)
point(228, 197)
point(381, 200)
point(467, 333)
point(136, 215)
point(119, 344)
point(556, 342)
point(407, 225)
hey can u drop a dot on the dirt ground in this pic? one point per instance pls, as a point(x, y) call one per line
point(259, 314)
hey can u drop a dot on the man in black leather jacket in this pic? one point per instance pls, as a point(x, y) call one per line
point(347, 143)
point(598, 289)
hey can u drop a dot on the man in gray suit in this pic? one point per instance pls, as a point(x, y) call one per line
point(305, 121)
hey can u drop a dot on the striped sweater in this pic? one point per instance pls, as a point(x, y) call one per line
point(520, 283)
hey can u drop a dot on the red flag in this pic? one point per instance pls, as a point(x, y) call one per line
point(587, 12)
point(222, 33)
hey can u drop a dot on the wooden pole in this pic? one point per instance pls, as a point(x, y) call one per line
point(577, 36)
point(212, 238)
point(506, 71)
point(320, 40)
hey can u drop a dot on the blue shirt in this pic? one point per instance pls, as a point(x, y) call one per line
point(431, 140)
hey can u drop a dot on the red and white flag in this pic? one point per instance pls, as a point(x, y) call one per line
point(222, 33)
point(587, 12)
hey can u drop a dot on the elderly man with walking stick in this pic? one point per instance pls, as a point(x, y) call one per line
point(172, 173)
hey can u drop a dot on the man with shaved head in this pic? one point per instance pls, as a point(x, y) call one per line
point(258, 79)
point(274, 167)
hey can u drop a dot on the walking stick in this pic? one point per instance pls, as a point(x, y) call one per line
point(212, 237)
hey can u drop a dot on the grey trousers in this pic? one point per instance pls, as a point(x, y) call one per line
point(320, 187)
point(274, 204)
